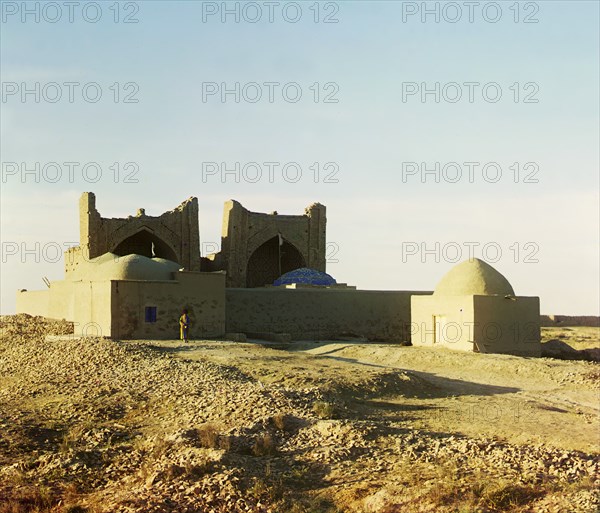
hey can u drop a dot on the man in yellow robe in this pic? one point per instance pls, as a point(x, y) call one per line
point(184, 326)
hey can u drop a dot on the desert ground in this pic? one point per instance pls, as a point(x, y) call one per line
point(95, 425)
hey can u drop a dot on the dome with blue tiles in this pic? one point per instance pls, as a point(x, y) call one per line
point(306, 276)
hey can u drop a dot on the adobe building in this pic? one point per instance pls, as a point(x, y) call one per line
point(257, 248)
point(173, 235)
point(131, 297)
point(131, 277)
point(474, 308)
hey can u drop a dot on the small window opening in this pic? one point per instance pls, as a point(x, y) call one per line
point(151, 313)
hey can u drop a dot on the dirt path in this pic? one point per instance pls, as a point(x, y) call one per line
point(522, 400)
point(98, 426)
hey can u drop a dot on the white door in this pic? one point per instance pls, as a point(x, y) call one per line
point(439, 328)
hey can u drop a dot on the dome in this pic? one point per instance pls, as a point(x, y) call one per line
point(305, 275)
point(473, 277)
point(131, 267)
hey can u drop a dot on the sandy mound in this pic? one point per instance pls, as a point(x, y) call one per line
point(95, 425)
point(558, 349)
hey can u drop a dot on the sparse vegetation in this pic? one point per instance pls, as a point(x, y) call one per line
point(264, 445)
point(502, 496)
point(210, 437)
point(285, 498)
point(160, 448)
point(280, 421)
point(266, 489)
point(96, 426)
point(323, 409)
point(197, 469)
point(75, 509)
point(30, 500)
point(71, 439)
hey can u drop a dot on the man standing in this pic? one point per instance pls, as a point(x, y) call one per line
point(184, 325)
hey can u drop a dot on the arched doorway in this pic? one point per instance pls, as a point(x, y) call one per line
point(271, 260)
point(146, 244)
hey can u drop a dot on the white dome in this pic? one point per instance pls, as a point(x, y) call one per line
point(473, 277)
point(129, 267)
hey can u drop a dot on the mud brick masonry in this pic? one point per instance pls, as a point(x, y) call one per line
point(130, 278)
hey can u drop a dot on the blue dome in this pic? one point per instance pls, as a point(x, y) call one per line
point(305, 275)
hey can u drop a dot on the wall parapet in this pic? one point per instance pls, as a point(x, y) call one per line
point(570, 320)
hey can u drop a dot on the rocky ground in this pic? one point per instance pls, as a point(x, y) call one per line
point(94, 425)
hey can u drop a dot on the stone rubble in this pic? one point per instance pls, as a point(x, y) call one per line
point(134, 429)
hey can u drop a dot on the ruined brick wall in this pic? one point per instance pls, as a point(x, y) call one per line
point(245, 233)
point(173, 235)
point(570, 320)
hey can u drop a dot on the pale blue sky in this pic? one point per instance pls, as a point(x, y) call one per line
point(369, 133)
